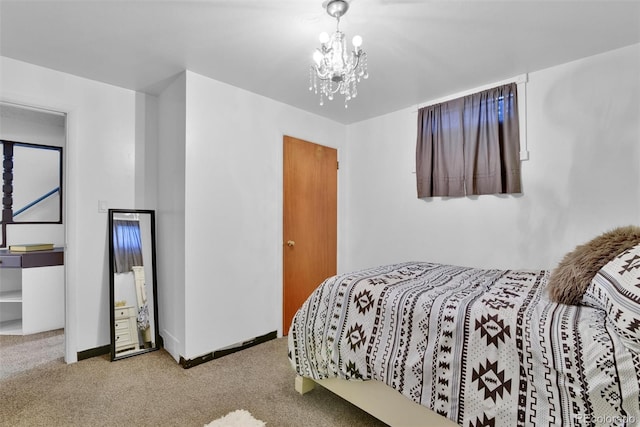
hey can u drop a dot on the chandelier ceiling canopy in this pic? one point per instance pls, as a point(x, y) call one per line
point(336, 70)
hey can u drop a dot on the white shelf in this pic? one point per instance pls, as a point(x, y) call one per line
point(11, 296)
point(11, 327)
point(31, 299)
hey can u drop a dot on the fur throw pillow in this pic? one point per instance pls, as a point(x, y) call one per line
point(574, 273)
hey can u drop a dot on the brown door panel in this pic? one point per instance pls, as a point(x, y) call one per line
point(310, 185)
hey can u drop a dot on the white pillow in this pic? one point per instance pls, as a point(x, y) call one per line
point(616, 290)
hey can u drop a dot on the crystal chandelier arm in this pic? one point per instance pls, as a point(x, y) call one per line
point(329, 86)
point(331, 89)
point(356, 55)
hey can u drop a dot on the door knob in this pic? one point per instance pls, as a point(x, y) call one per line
point(291, 243)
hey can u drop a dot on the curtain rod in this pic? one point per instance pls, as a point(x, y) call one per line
point(522, 78)
point(31, 108)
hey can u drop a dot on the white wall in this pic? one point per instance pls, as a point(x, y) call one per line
point(146, 152)
point(170, 214)
point(99, 166)
point(33, 126)
point(234, 149)
point(581, 180)
point(233, 210)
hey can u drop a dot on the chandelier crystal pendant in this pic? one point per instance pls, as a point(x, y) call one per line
point(336, 70)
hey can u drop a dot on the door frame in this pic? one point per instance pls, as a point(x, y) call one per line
point(68, 214)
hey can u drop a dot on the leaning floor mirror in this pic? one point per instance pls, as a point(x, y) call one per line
point(133, 295)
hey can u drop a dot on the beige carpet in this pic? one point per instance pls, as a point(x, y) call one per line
point(21, 353)
point(153, 390)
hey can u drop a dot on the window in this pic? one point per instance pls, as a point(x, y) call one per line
point(470, 145)
point(127, 245)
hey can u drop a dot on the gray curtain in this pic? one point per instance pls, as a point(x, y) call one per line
point(470, 145)
point(127, 245)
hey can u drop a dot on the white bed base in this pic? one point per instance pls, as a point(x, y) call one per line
point(379, 400)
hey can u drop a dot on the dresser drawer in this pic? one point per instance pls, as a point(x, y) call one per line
point(124, 342)
point(10, 261)
point(123, 337)
point(124, 312)
point(121, 325)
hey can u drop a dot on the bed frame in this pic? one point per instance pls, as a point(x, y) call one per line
point(379, 400)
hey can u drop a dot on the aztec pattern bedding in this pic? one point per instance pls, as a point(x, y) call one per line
point(480, 347)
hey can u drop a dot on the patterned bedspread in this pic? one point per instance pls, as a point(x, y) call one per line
point(481, 347)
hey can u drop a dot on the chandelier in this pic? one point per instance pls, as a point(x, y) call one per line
point(337, 70)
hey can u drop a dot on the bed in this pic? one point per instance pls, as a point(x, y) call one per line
point(422, 343)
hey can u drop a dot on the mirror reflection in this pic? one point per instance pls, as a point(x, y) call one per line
point(35, 196)
point(134, 327)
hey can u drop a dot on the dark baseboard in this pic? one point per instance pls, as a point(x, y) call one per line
point(105, 349)
point(93, 352)
point(186, 364)
point(246, 344)
point(190, 363)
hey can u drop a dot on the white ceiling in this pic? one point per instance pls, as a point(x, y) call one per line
point(417, 50)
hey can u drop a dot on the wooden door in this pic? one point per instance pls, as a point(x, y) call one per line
point(310, 214)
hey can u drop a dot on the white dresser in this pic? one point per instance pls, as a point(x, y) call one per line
point(126, 329)
point(31, 291)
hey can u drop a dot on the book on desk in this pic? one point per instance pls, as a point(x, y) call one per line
point(30, 247)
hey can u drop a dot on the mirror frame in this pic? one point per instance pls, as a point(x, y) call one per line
point(7, 155)
point(156, 343)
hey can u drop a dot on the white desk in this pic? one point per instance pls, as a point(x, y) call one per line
point(31, 291)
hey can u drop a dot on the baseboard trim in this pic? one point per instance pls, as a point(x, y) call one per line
point(244, 345)
point(93, 352)
point(190, 363)
point(105, 349)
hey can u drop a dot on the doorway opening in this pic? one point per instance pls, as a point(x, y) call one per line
point(32, 300)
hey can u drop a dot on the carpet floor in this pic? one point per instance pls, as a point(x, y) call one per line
point(22, 353)
point(153, 390)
